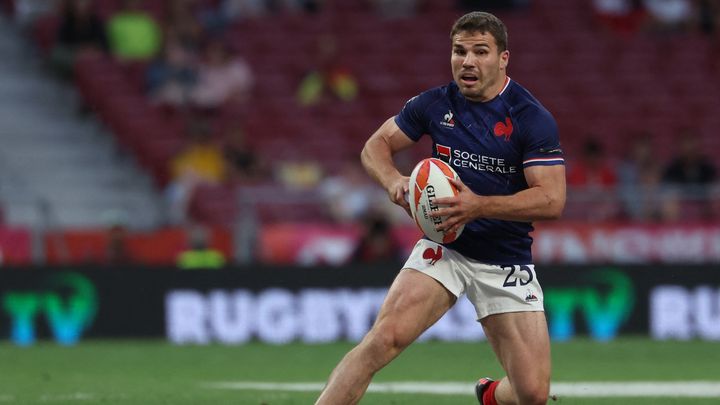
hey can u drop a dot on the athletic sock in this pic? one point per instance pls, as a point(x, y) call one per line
point(488, 397)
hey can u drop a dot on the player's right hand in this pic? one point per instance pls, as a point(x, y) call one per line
point(398, 191)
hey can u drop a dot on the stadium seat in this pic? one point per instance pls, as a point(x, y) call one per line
point(394, 60)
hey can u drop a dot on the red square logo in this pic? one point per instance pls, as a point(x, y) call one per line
point(443, 152)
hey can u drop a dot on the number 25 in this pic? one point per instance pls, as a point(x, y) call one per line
point(511, 281)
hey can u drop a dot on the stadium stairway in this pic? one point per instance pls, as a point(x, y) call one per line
point(57, 167)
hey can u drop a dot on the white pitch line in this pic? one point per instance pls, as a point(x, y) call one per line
point(75, 396)
point(686, 389)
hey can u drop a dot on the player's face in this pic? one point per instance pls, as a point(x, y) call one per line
point(477, 66)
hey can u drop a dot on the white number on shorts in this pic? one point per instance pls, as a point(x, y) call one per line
point(511, 281)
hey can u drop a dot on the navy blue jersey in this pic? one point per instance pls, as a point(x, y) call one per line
point(488, 144)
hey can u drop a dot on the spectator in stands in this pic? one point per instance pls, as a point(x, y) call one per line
point(80, 30)
point(669, 15)
point(622, 16)
point(242, 160)
point(709, 16)
point(686, 182)
point(592, 170)
point(182, 24)
point(594, 181)
point(328, 78)
point(294, 6)
point(639, 179)
point(311, 6)
point(377, 243)
point(226, 12)
point(223, 78)
point(117, 253)
point(234, 10)
point(172, 77)
point(217, 19)
point(201, 158)
point(116, 249)
point(298, 174)
point(200, 255)
point(200, 162)
point(25, 12)
point(133, 33)
point(350, 193)
point(690, 167)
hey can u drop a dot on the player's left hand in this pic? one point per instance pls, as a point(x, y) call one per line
point(460, 209)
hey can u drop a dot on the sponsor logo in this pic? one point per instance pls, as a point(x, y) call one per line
point(430, 190)
point(448, 120)
point(433, 255)
point(504, 129)
point(68, 302)
point(467, 160)
point(278, 316)
point(481, 163)
point(443, 152)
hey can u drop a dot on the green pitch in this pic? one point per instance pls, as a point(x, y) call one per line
point(154, 372)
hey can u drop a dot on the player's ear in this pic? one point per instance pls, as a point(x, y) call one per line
point(504, 59)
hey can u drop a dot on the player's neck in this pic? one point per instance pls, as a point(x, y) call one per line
point(499, 87)
point(493, 91)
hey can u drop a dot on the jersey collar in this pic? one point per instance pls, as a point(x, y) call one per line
point(505, 86)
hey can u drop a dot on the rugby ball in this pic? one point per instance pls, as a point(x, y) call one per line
point(430, 180)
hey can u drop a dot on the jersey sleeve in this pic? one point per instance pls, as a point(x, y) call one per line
point(412, 119)
point(542, 142)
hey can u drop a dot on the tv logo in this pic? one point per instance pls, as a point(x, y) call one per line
point(68, 301)
point(605, 301)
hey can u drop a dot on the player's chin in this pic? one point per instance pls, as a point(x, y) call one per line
point(470, 92)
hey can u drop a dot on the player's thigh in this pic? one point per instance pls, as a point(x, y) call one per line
point(521, 342)
point(415, 301)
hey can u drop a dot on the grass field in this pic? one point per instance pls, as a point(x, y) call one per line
point(154, 372)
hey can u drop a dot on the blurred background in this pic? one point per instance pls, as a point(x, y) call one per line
point(134, 130)
point(225, 134)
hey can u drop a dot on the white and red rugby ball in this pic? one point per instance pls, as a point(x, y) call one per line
point(429, 180)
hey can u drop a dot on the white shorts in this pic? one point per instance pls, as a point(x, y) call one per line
point(492, 289)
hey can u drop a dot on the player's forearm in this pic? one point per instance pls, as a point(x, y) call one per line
point(377, 159)
point(533, 204)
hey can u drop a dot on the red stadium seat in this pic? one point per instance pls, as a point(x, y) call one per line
point(605, 84)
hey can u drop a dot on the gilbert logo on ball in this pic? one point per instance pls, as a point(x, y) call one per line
point(430, 180)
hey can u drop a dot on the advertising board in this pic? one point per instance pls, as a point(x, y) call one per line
point(326, 304)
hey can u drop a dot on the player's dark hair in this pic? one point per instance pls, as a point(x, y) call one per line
point(480, 21)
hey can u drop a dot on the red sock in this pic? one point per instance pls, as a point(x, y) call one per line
point(489, 394)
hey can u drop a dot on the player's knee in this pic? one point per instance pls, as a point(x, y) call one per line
point(388, 340)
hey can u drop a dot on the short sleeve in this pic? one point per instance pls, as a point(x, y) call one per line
point(412, 119)
point(542, 142)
